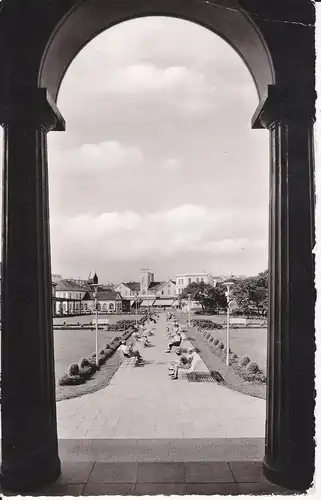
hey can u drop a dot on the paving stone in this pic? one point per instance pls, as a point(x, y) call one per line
point(160, 489)
point(212, 489)
point(247, 472)
point(93, 489)
point(75, 472)
point(262, 488)
point(113, 473)
point(56, 489)
point(161, 473)
point(215, 472)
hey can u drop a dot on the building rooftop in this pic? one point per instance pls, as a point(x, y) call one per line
point(103, 293)
point(155, 284)
point(70, 286)
point(133, 285)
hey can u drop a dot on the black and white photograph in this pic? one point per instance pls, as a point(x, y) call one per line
point(158, 247)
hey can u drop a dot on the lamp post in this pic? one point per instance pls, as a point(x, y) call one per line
point(136, 304)
point(189, 309)
point(228, 285)
point(96, 314)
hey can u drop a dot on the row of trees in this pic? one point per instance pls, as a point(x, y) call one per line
point(250, 295)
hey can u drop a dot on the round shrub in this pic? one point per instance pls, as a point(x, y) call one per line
point(252, 367)
point(107, 346)
point(225, 351)
point(260, 377)
point(108, 352)
point(83, 362)
point(220, 346)
point(73, 370)
point(249, 377)
point(92, 359)
point(215, 341)
point(86, 370)
point(74, 380)
point(244, 361)
point(102, 352)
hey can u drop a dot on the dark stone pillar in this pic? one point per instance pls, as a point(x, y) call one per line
point(289, 448)
point(29, 428)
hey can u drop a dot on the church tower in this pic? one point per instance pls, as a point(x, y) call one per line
point(146, 277)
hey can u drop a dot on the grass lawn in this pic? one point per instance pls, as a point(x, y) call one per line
point(72, 345)
point(251, 342)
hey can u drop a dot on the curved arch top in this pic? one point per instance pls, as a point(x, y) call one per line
point(91, 17)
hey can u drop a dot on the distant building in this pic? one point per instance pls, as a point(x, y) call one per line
point(183, 280)
point(56, 277)
point(69, 295)
point(108, 300)
point(147, 292)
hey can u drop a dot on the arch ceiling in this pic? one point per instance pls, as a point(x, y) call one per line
point(91, 17)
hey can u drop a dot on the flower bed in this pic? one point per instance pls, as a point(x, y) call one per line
point(206, 324)
point(245, 368)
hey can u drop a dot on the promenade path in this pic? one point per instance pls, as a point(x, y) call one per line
point(144, 403)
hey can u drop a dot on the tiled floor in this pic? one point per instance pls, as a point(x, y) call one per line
point(211, 478)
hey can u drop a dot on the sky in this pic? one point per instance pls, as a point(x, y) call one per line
point(158, 167)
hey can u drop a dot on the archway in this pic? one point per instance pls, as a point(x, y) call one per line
point(286, 91)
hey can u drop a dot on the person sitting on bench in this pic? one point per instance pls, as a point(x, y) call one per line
point(183, 364)
point(177, 338)
point(141, 337)
point(130, 353)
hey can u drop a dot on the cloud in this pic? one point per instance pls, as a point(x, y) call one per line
point(172, 164)
point(128, 235)
point(104, 156)
point(183, 88)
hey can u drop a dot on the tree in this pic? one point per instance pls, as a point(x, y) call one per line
point(208, 296)
point(251, 294)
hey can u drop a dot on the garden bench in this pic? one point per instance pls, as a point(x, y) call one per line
point(238, 322)
point(104, 321)
point(197, 365)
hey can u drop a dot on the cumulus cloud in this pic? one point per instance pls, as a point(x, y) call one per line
point(129, 235)
point(156, 167)
point(104, 156)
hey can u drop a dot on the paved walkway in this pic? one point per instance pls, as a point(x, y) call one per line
point(144, 403)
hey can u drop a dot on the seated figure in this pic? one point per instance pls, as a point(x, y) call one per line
point(130, 353)
point(191, 356)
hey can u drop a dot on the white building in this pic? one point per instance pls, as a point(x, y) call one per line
point(183, 280)
point(147, 291)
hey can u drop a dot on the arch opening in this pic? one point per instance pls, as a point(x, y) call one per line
point(187, 202)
